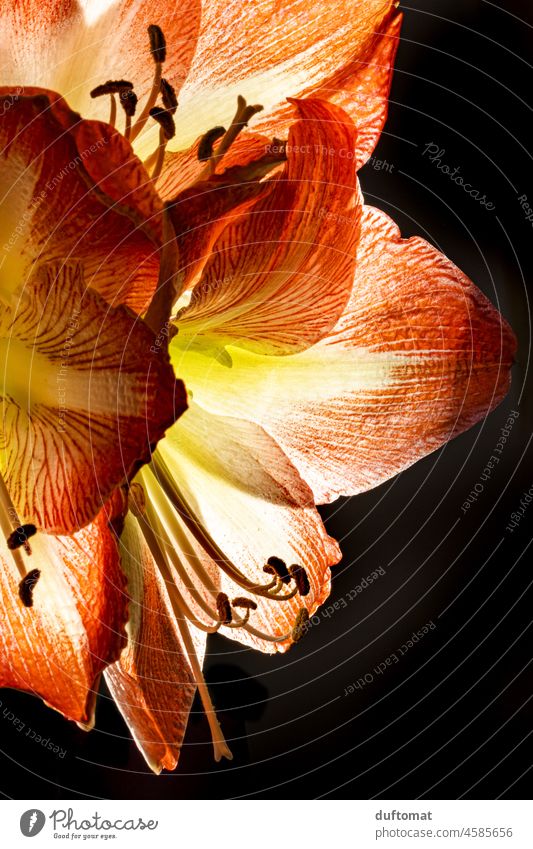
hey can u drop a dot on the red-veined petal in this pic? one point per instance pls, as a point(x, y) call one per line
point(86, 394)
point(361, 87)
point(57, 648)
point(267, 52)
point(73, 47)
point(264, 287)
point(418, 356)
point(152, 683)
point(241, 487)
point(74, 189)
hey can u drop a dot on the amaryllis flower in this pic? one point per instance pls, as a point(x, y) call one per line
point(83, 397)
point(321, 353)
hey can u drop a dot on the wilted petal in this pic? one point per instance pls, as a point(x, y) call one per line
point(418, 356)
point(152, 683)
point(86, 394)
point(57, 648)
point(266, 283)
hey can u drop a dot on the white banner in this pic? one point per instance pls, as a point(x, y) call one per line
point(267, 824)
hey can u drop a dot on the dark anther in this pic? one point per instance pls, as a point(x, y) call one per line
point(128, 100)
point(300, 624)
point(158, 45)
point(165, 121)
point(299, 576)
point(170, 101)
point(242, 601)
point(223, 608)
point(112, 87)
point(20, 537)
point(276, 566)
point(27, 585)
point(205, 148)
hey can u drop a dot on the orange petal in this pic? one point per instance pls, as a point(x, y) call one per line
point(73, 188)
point(267, 52)
point(152, 683)
point(263, 287)
point(57, 648)
point(181, 168)
point(241, 487)
point(361, 88)
point(87, 392)
point(418, 356)
point(73, 47)
point(199, 214)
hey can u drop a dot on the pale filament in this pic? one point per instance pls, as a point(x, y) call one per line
point(167, 527)
point(171, 490)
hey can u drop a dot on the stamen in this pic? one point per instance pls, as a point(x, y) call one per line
point(158, 525)
point(168, 95)
point(240, 120)
point(169, 282)
point(158, 51)
point(181, 612)
point(205, 148)
point(111, 87)
point(161, 517)
point(128, 100)
point(166, 132)
point(19, 537)
point(300, 624)
point(27, 585)
point(9, 520)
point(158, 44)
point(242, 601)
point(112, 120)
point(171, 490)
point(299, 576)
point(221, 748)
point(224, 608)
point(277, 566)
point(165, 121)
point(179, 605)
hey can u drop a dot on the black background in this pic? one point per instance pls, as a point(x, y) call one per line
point(454, 717)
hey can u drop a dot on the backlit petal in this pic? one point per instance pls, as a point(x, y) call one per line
point(58, 648)
point(74, 47)
point(361, 87)
point(254, 504)
point(418, 356)
point(152, 683)
point(74, 189)
point(269, 51)
point(200, 213)
point(86, 393)
point(264, 287)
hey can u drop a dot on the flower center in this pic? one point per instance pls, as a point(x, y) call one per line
point(164, 115)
